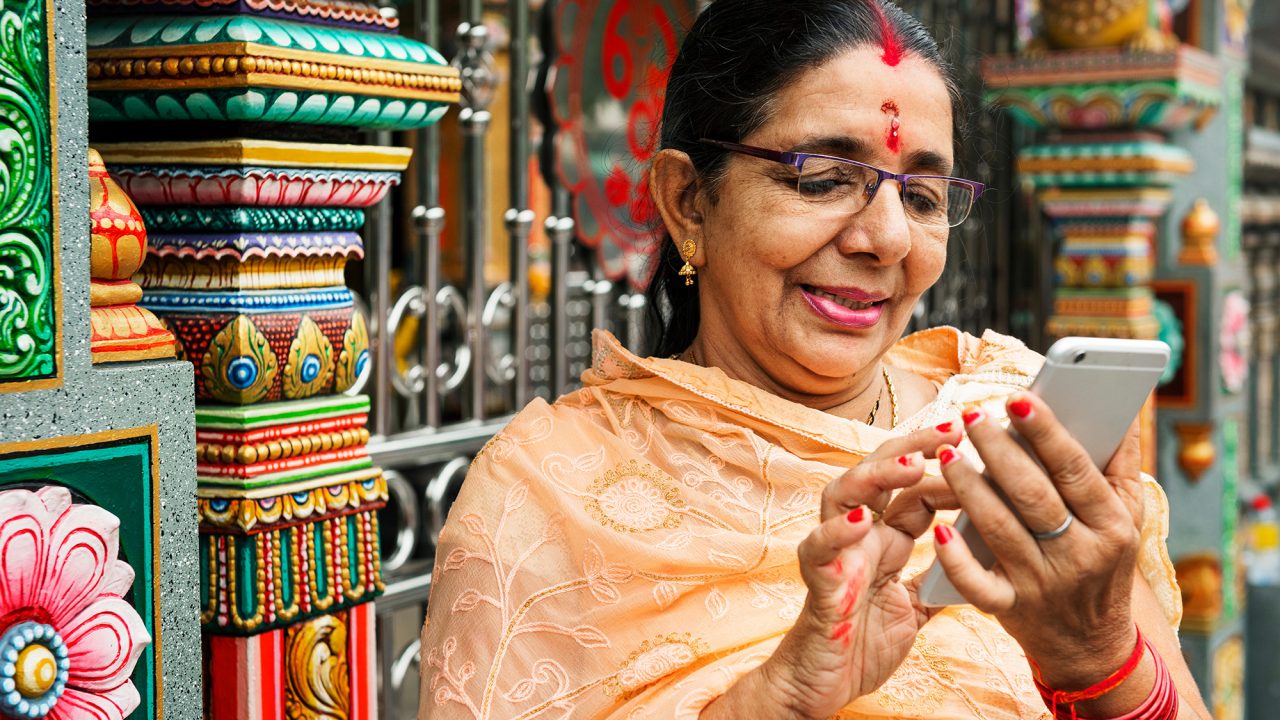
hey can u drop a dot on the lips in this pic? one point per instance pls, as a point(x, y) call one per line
point(847, 308)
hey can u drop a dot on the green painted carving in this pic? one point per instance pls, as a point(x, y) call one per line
point(28, 328)
point(260, 69)
point(1163, 104)
point(174, 31)
point(265, 105)
point(1230, 511)
point(115, 471)
point(1172, 335)
point(250, 219)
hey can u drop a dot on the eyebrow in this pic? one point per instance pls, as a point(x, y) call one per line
point(929, 162)
point(838, 145)
point(918, 162)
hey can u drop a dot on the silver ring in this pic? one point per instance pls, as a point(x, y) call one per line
point(1056, 532)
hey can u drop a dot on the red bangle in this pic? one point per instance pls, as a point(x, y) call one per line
point(1161, 704)
point(1054, 698)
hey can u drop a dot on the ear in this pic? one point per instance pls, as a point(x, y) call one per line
point(674, 183)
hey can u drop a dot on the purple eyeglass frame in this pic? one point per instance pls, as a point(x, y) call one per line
point(796, 160)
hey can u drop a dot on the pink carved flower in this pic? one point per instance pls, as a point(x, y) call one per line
point(68, 639)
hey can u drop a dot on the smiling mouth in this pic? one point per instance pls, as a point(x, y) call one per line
point(844, 301)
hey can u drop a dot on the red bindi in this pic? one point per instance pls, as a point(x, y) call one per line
point(893, 136)
point(892, 54)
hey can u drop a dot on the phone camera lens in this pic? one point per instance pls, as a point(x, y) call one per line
point(1080, 358)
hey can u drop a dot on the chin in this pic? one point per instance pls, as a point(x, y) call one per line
point(839, 356)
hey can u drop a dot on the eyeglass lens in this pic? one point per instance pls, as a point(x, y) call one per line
point(843, 188)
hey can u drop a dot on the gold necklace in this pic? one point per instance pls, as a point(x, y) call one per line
point(871, 418)
point(893, 399)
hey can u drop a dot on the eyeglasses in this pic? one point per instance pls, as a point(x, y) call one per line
point(839, 186)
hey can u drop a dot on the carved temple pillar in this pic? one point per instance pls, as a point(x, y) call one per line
point(1145, 247)
point(255, 200)
point(97, 521)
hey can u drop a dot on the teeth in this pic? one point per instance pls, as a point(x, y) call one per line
point(851, 304)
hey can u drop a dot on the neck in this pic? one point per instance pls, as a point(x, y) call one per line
point(850, 398)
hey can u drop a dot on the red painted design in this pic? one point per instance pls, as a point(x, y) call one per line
point(841, 631)
point(971, 416)
point(855, 515)
point(282, 465)
point(838, 566)
point(889, 42)
point(893, 135)
point(944, 428)
point(948, 456)
point(904, 461)
point(613, 61)
point(362, 663)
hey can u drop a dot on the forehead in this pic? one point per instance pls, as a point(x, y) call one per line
point(855, 94)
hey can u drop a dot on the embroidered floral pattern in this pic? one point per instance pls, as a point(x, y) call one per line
point(630, 551)
point(653, 660)
point(634, 498)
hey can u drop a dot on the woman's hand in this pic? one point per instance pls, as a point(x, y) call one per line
point(1064, 598)
point(858, 622)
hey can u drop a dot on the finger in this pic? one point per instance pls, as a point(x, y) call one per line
point(985, 589)
point(1124, 472)
point(1003, 531)
point(1024, 483)
point(1127, 462)
point(871, 483)
point(1079, 482)
point(819, 552)
point(912, 510)
point(924, 441)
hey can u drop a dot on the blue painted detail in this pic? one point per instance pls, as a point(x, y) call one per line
point(242, 372)
point(310, 368)
point(14, 704)
point(361, 362)
point(219, 505)
point(261, 301)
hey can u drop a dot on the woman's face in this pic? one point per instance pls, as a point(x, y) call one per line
point(814, 298)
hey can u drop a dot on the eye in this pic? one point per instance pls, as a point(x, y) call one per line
point(924, 197)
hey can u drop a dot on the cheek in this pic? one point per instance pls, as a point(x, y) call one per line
point(753, 236)
point(927, 259)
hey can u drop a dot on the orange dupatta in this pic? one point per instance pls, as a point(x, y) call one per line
point(629, 551)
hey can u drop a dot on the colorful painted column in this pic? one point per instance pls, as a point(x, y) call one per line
point(97, 475)
point(1139, 173)
point(255, 201)
point(1104, 174)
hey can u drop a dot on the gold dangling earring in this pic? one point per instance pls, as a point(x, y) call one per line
point(686, 251)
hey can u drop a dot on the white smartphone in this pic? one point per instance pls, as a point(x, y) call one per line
point(1096, 387)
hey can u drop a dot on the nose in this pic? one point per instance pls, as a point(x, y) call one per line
point(880, 230)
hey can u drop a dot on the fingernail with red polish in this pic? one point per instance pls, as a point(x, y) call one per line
point(948, 455)
point(905, 461)
point(1020, 408)
point(944, 428)
point(855, 515)
point(971, 416)
point(942, 533)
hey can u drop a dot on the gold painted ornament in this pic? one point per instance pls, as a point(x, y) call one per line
point(121, 330)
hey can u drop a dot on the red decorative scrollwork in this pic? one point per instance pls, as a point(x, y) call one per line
point(611, 70)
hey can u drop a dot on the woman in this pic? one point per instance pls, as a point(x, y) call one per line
point(735, 528)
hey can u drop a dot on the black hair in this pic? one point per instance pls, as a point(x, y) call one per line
point(737, 57)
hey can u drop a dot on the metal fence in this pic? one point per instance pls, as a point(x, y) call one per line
point(482, 292)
